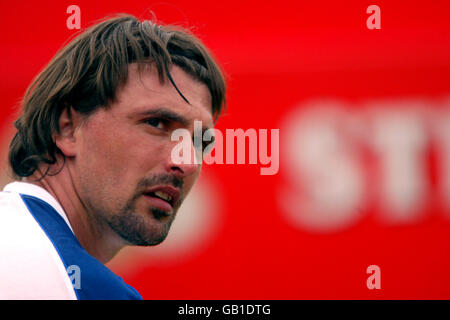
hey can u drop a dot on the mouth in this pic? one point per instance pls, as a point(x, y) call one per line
point(163, 197)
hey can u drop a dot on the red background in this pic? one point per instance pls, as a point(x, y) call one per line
point(277, 55)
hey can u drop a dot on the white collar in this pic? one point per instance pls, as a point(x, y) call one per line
point(38, 192)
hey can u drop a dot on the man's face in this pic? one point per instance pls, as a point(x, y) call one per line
point(123, 171)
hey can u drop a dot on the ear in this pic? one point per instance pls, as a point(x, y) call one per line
point(66, 139)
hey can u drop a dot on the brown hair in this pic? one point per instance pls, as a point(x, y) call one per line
point(86, 73)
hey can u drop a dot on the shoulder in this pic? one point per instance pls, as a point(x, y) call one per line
point(29, 266)
point(44, 258)
point(96, 281)
point(91, 279)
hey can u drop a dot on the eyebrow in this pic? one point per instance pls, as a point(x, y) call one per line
point(169, 115)
point(166, 114)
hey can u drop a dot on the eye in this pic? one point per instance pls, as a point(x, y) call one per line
point(156, 122)
point(209, 144)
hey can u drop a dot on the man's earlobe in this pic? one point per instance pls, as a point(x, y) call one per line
point(65, 140)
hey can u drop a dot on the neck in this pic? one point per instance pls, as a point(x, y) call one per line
point(95, 237)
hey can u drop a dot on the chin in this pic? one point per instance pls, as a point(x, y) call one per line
point(141, 230)
point(144, 239)
point(151, 235)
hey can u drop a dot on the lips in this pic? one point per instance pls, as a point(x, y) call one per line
point(163, 197)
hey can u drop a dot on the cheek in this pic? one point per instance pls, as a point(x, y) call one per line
point(107, 169)
point(121, 155)
point(100, 159)
point(189, 182)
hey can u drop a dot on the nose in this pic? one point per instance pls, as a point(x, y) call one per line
point(183, 159)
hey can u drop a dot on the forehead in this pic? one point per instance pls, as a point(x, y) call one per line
point(143, 91)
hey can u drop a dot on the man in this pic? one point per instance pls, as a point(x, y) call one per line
point(93, 155)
